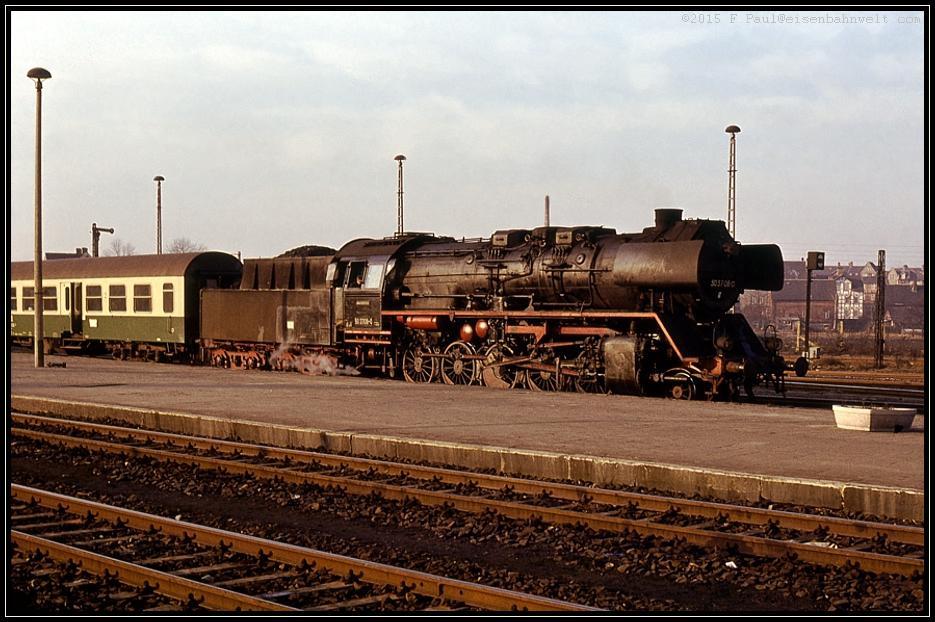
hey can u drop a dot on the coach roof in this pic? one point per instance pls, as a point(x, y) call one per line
point(172, 264)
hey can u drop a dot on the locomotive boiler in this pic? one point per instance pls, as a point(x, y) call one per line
point(691, 268)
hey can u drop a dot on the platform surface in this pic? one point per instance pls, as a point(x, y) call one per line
point(776, 441)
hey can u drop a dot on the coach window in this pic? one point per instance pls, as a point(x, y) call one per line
point(49, 299)
point(67, 298)
point(118, 298)
point(168, 298)
point(142, 298)
point(29, 301)
point(12, 299)
point(92, 298)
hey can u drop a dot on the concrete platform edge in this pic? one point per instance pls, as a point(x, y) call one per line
point(877, 500)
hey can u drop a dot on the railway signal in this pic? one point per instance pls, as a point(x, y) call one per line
point(814, 261)
point(96, 237)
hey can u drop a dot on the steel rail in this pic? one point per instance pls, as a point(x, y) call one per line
point(178, 588)
point(569, 492)
point(870, 388)
point(426, 584)
point(826, 402)
point(894, 385)
point(748, 544)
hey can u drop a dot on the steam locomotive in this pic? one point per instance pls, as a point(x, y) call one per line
point(550, 308)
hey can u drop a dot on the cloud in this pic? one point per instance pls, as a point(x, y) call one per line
point(241, 59)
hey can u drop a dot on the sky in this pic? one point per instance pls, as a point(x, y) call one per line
point(279, 129)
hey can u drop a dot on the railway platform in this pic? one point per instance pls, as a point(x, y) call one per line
point(732, 451)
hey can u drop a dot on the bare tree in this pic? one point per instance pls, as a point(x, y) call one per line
point(119, 248)
point(184, 245)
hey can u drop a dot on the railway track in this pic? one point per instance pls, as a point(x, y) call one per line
point(203, 567)
point(876, 547)
point(826, 394)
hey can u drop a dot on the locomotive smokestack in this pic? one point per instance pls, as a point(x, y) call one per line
point(666, 217)
point(733, 130)
point(546, 210)
point(399, 197)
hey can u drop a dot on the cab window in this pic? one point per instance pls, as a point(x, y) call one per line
point(356, 273)
point(374, 277)
point(335, 273)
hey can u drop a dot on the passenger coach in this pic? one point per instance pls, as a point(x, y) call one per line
point(142, 304)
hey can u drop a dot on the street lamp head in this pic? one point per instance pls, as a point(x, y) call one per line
point(400, 158)
point(159, 178)
point(38, 73)
point(732, 129)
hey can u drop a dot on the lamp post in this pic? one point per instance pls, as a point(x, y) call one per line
point(159, 179)
point(733, 130)
point(399, 197)
point(38, 74)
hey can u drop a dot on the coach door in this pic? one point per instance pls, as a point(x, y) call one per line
point(76, 308)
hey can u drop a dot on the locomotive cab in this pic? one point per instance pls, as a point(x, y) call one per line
point(360, 276)
point(358, 284)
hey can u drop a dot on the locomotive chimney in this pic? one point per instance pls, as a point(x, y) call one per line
point(546, 210)
point(666, 217)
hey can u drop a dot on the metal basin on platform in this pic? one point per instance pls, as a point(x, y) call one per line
point(873, 419)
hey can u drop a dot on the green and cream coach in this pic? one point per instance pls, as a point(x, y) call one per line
point(138, 302)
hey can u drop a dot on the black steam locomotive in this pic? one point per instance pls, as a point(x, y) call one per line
point(550, 308)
